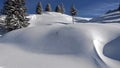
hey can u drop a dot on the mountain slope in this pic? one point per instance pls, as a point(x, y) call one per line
point(113, 17)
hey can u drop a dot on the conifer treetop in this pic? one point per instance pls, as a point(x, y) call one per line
point(48, 7)
point(73, 10)
point(39, 8)
point(58, 9)
point(62, 8)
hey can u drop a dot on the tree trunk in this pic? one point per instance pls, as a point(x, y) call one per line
point(73, 19)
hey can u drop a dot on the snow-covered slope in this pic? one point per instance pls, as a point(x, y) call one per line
point(82, 20)
point(113, 17)
point(48, 18)
point(60, 18)
point(48, 43)
point(54, 18)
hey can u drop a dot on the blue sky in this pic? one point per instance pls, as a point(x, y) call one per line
point(85, 8)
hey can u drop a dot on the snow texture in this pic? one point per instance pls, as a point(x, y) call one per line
point(52, 41)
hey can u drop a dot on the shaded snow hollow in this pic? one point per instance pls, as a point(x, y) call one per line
point(53, 42)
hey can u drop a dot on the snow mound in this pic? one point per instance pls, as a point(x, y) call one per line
point(48, 18)
point(59, 39)
point(77, 45)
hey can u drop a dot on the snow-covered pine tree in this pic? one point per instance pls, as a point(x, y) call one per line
point(15, 14)
point(39, 8)
point(62, 8)
point(48, 7)
point(58, 9)
point(73, 12)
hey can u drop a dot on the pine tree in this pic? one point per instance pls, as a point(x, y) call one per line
point(48, 7)
point(73, 12)
point(62, 8)
point(15, 14)
point(39, 8)
point(58, 9)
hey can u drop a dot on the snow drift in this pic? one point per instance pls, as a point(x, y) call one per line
point(60, 45)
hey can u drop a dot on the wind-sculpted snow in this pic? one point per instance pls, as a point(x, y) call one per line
point(61, 45)
point(73, 46)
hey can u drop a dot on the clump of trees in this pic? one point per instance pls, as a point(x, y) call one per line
point(15, 12)
point(48, 7)
point(39, 8)
point(62, 8)
point(59, 9)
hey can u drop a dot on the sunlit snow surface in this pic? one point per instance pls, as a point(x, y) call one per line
point(1, 67)
point(52, 41)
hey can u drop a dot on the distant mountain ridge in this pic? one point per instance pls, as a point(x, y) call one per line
point(110, 11)
point(112, 16)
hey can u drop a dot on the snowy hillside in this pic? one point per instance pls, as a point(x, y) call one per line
point(82, 20)
point(113, 17)
point(52, 41)
point(60, 18)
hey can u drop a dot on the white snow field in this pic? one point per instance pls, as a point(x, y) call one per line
point(52, 41)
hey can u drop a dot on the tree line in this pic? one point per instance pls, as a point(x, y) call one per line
point(15, 12)
point(59, 8)
point(39, 9)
